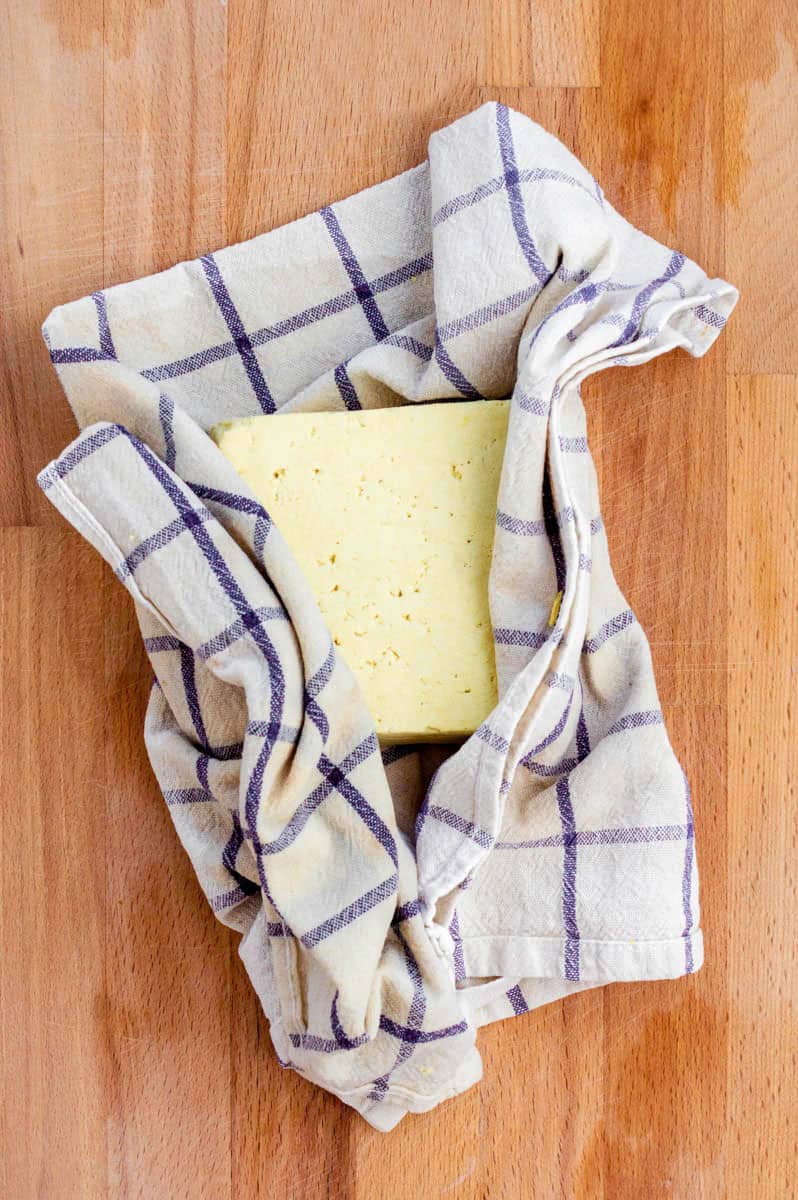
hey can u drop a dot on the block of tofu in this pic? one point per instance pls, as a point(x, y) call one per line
point(390, 513)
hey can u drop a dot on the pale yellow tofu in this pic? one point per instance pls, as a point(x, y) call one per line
point(390, 513)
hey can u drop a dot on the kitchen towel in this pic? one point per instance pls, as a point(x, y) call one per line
point(392, 900)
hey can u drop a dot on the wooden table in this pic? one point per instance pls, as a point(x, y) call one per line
point(136, 1063)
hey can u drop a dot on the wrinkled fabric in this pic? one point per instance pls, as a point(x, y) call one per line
point(393, 900)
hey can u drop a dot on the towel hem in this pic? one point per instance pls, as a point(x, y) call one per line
point(599, 961)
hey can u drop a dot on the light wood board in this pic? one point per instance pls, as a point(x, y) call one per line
point(135, 1060)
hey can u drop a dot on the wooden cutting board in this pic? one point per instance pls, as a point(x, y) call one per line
point(136, 1062)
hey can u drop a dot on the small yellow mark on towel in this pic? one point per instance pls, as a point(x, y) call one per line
point(555, 609)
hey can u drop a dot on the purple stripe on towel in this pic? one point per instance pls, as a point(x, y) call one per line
point(242, 341)
point(568, 823)
point(362, 287)
point(517, 207)
point(687, 880)
point(455, 821)
point(516, 998)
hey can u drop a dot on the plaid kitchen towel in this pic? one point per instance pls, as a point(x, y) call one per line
point(393, 901)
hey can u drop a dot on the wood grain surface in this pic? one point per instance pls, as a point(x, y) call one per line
point(135, 1060)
